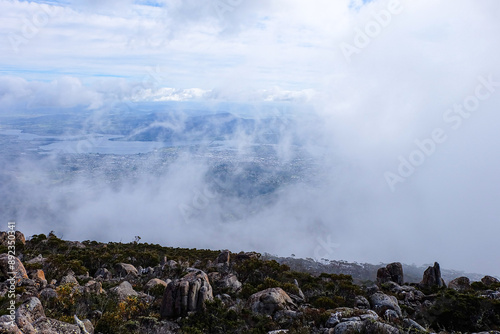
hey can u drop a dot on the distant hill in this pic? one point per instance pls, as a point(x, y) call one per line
point(363, 271)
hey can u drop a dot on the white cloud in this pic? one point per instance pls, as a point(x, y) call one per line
point(370, 110)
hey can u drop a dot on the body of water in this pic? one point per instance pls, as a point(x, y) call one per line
point(93, 143)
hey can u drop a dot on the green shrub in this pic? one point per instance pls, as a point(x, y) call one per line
point(328, 302)
point(216, 319)
point(463, 312)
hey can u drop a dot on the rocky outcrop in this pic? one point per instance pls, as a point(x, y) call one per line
point(393, 272)
point(381, 302)
point(8, 264)
point(347, 327)
point(152, 326)
point(18, 238)
point(379, 327)
point(8, 326)
point(373, 308)
point(28, 314)
point(343, 314)
point(383, 275)
point(187, 294)
point(125, 269)
point(103, 274)
point(412, 326)
point(81, 325)
point(154, 282)
point(38, 275)
point(242, 256)
point(69, 279)
point(93, 287)
point(460, 284)
point(347, 321)
point(269, 301)
point(48, 294)
point(37, 260)
point(124, 290)
point(432, 277)
point(30, 318)
point(224, 257)
point(52, 326)
point(225, 281)
point(362, 303)
point(489, 280)
point(396, 271)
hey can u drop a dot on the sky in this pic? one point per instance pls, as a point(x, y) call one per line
point(405, 100)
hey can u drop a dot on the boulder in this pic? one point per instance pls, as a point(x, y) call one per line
point(48, 293)
point(286, 317)
point(343, 314)
point(93, 287)
point(187, 294)
point(124, 290)
point(242, 256)
point(362, 303)
point(413, 326)
point(9, 263)
point(269, 301)
point(18, 237)
point(225, 281)
point(150, 325)
point(396, 271)
point(393, 272)
point(154, 282)
point(432, 277)
point(171, 264)
point(224, 257)
point(69, 279)
point(76, 244)
point(383, 275)
point(28, 313)
point(85, 326)
point(38, 275)
point(381, 302)
point(8, 326)
point(489, 280)
point(460, 284)
point(366, 326)
point(104, 273)
point(124, 269)
point(52, 326)
point(301, 294)
point(391, 315)
point(333, 320)
point(379, 327)
point(225, 299)
point(37, 260)
point(349, 327)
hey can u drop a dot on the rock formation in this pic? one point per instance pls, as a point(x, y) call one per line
point(460, 284)
point(187, 294)
point(11, 264)
point(124, 290)
point(124, 269)
point(432, 277)
point(489, 280)
point(393, 272)
point(269, 301)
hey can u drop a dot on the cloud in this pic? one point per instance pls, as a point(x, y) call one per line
point(17, 94)
point(354, 118)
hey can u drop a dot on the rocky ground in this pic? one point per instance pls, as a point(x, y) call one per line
point(142, 288)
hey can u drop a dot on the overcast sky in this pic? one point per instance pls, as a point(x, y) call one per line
point(407, 94)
